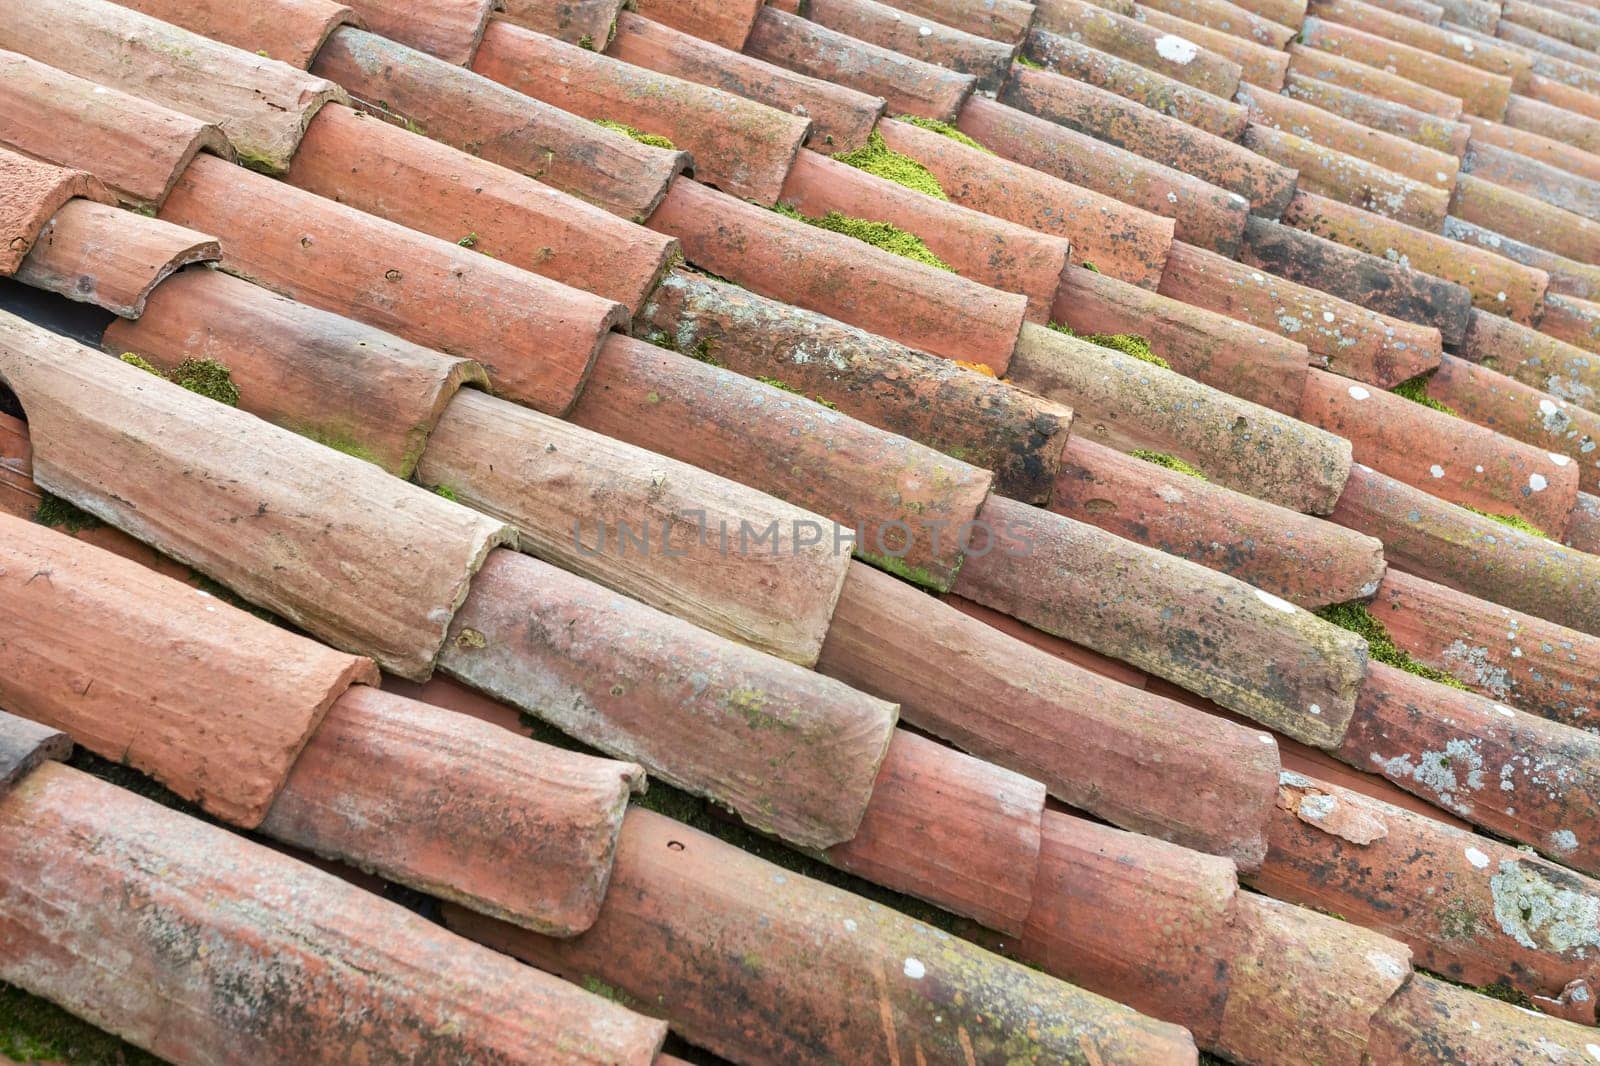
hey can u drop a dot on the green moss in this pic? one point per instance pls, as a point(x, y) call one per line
point(1381, 647)
point(1171, 462)
point(883, 235)
point(469, 241)
point(778, 384)
point(57, 513)
point(944, 129)
point(1126, 343)
point(877, 158)
point(208, 378)
point(36, 1030)
point(1090, 267)
point(1023, 60)
point(586, 42)
point(703, 352)
point(446, 492)
point(1416, 390)
point(916, 575)
point(626, 130)
point(824, 401)
point(1503, 991)
point(342, 444)
point(141, 363)
point(1516, 522)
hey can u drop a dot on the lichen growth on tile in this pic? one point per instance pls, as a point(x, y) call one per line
point(1171, 462)
point(877, 158)
point(652, 139)
point(944, 129)
point(1354, 616)
point(884, 235)
point(1516, 522)
point(977, 368)
point(1416, 390)
point(57, 513)
point(704, 351)
point(208, 378)
point(1126, 343)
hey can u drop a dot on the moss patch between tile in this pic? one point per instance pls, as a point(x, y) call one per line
point(884, 235)
point(1516, 522)
point(653, 140)
point(944, 129)
point(1416, 390)
point(877, 158)
point(1354, 616)
point(1170, 462)
point(1126, 343)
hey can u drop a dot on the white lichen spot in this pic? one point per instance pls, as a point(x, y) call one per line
point(1563, 841)
point(1327, 316)
point(1274, 602)
point(1175, 49)
point(924, 31)
point(1172, 197)
point(914, 968)
point(1315, 709)
point(1477, 858)
point(1541, 915)
point(850, 925)
point(1359, 393)
point(1500, 296)
point(1505, 711)
point(1264, 738)
point(1537, 482)
point(1387, 965)
point(1436, 470)
point(1315, 808)
point(1559, 460)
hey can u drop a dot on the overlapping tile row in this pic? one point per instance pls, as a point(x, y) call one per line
point(1005, 357)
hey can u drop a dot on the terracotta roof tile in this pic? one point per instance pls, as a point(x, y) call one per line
point(988, 816)
point(465, 811)
point(386, 171)
point(484, 118)
point(1130, 404)
point(1148, 46)
point(1288, 12)
point(1000, 20)
point(273, 959)
point(841, 118)
point(163, 662)
point(895, 494)
point(930, 41)
point(1376, 283)
point(1312, 701)
point(1225, 17)
point(1434, 1020)
point(1265, 185)
point(697, 711)
point(24, 745)
point(1000, 254)
point(290, 31)
point(739, 145)
point(381, 576)
point(426, 289)
point(1532, 146)
point(1506, 210)
point(1235, 357)
point(1118, 239)
point(1305, 560)
point(1316, 64)
point(588, 23)
point(1203, 214)
point(1533, 358)
point(1568, 277)
point(1403, 30)
point(962, 679)
point(692, 924)
point(1535, 116)
point(33, 193)
point(724, 22)
point(1534, 665)
point(1124, 77)
point(1477, 91)
point(261, 104)
point(1447, 457)
point(788, 259)
point(574, 494)
point(95, 253)
point(1259, 64)
point(910, 86)
point(449, 29)
point(989, 423)
point(1457, 547)
point(1339, 335)
point(298, 367)
point(136, 147)
point(1418, 126)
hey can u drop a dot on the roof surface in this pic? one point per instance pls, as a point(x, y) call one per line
point(961, 531)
